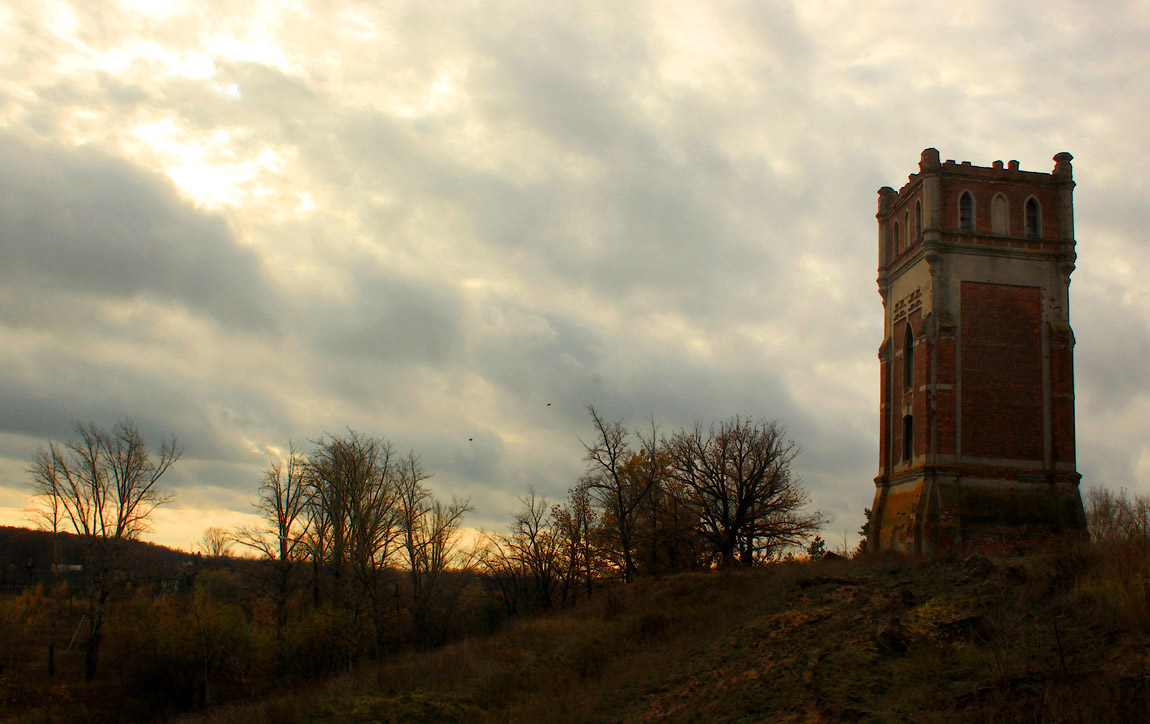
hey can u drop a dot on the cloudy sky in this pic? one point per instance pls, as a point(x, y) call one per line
point(457, 224)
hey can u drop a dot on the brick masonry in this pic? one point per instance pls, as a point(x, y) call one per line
point(1001, 371)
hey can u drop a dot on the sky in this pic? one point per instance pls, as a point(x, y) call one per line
point(458, 224)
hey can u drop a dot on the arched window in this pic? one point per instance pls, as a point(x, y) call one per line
point(907, 437)
point(908, 357)
point(1033, 219)
point(897, 239)
point(889, 244)
point(906, 226)
point(998, 217)
point(966, 212)
point(918, 220)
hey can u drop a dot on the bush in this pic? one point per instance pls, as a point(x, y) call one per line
point(318, 643)
point(1118, 517)
point(182, 647)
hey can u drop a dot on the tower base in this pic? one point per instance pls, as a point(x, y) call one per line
point(940, 512)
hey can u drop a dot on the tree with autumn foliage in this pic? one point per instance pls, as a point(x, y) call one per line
point(620, 480)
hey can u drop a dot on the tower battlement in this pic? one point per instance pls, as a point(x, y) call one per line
point(961, 205)
point(1010, 171)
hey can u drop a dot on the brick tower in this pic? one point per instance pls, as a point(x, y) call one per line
point(977, 411)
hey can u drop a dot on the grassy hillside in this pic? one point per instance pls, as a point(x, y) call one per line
point(1050, 639)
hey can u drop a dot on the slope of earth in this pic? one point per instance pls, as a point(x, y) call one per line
point(945, 641)
point(1050, 639)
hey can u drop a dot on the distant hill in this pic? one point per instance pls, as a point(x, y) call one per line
point(26, 555)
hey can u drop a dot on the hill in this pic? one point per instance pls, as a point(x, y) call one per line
point(1044, 639)
point(27, 556)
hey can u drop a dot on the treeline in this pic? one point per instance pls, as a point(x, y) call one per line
point(355, 524)
point(651, 504)
point(351, 524)
point(357, 558)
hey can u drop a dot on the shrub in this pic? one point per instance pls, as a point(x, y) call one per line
point(184, 646)
point(1118, 517)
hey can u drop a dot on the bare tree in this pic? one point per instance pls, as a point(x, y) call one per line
point(526, 562)
point(536, 549)
point(354, 521)
point(430, 544)
point(216, 542)
point(49, 511)
point(105, 482)
point(621, 479)
point(495, 557)
point(281, 537)
point(1114, 517)
point(535, 544)
point(748, 500)
point(316, 538)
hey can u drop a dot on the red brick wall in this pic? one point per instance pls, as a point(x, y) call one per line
point(1062, 392)
point(1001, 367)
point(945, 417)
point(921, 409)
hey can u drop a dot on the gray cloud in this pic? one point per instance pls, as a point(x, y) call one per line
point(390, 318)
point(209, 416)
point(76, 220)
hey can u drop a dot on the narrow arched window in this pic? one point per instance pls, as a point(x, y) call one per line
point(1033, 218)
point(998, 217)
point(966, 212)
point(897, 239)
point(907, 437)
point(918, 220)
point(906, 226)
point(908, 357)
